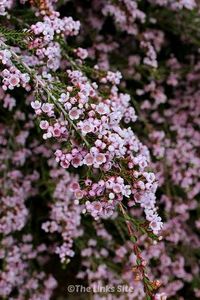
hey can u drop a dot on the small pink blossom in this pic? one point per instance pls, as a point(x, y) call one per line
point(74, 113)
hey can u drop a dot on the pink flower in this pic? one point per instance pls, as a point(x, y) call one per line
point(86, 128)
point(82, 53)
point(44, 124)
point(47, 107)
point(74, 113)
point(161, 296)
point(100, 158)
point(65, 164)
point(36, 104)
point(78, 194)
point(117, 188)
point(74, 186)
point(56, 132)
point(102, 108)
point(76, 161)
point(156, 224)
point(94, 208)
point(89, 159)
point(14, 80)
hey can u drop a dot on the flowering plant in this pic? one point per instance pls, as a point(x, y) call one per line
point(96, 145)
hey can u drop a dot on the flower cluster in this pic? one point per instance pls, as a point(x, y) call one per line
point(176, 5)
point(168, 108)
point(112, 148)
point(65, 215)
point(100, 142)
point(126, 13)
point(15, 274)
point(12, 78)
point(18, 279)
point(51, 26)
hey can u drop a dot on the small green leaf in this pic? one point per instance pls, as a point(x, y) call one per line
point(133, 239)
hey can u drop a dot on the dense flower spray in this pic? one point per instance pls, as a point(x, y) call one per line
point(166, 96)
point(79, 174)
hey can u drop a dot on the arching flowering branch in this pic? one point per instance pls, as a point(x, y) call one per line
point(94, 122)
point(88, 123)
point(112, 151)
point(76, 178)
